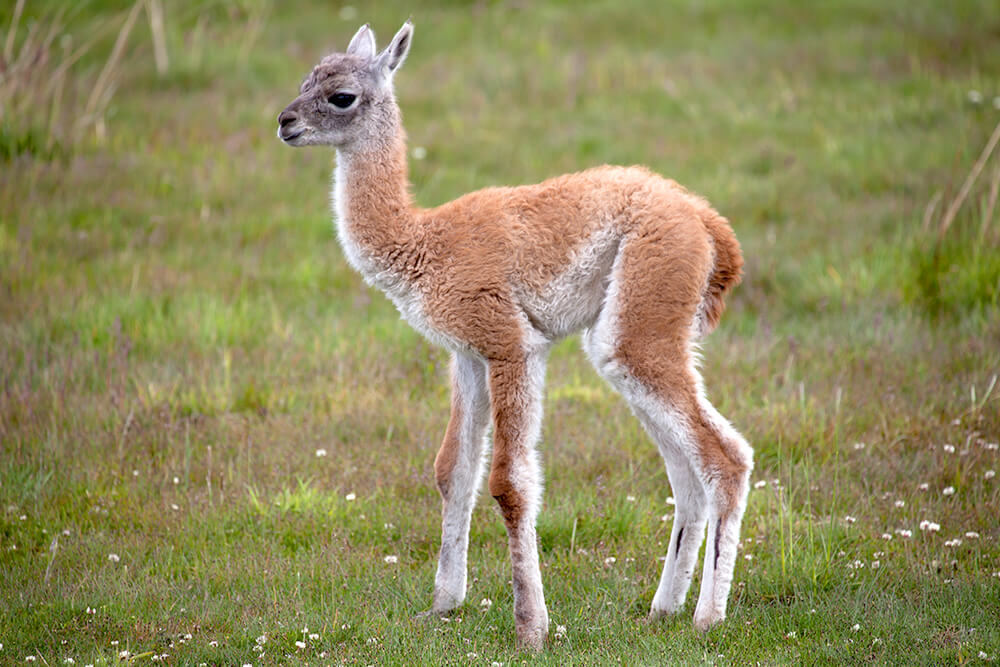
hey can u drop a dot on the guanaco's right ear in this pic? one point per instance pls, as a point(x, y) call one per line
point(363, 43)
point(393, 56)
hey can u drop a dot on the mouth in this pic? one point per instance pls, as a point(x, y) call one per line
point(288, 136)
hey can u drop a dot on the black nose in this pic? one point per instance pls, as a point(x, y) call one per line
point(287, 117)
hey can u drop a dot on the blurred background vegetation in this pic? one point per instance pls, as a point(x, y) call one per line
point(180, 335)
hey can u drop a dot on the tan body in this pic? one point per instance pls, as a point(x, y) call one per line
point(496, 276)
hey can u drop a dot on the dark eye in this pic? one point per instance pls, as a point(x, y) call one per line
point(341, 100)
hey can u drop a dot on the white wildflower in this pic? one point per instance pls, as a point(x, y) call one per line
point(419, 152)
point(320, 453)
point(855, 627)
point(859, 446)
point(313, 636)
point(760, 484)
point(213, 643)
point(671, 501)
point(929, 526)
point(923, 486)
point(850, 519)
point(300, 644)
point(391, 559)
point(953, 543)
point(974, 97)
point(972, 535)
point(948, 491)
point(886, 536)
point(990, 474)
point(610, 560)
point(900, 503)
point(114, 558)
point(949, 449)
point(350, 496)
point(630, 499)
point(875, 564)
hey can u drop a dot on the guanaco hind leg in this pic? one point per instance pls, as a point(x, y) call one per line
point(643, 345)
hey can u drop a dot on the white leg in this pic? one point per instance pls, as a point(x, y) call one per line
point(459, 470)
point(727, 492)
point(685, 540)
point(709, 465)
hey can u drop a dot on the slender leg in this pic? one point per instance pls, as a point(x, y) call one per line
point(727, 486)
point(685, 539)
point(516, 484)
point(642, 346)
point(458, 469)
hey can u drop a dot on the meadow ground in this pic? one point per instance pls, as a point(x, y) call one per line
point(182, 341)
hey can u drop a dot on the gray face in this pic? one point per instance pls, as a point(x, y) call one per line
point(333, 105)
point(342, 102)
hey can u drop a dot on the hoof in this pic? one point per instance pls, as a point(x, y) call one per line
point(531, 639)
point(704, 622)
point(658, 614)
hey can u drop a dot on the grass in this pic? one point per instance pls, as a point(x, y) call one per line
point(181, 336)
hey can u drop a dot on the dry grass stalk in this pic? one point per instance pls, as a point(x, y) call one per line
point(991, 201)
point(103, 88)
point(154, 8)
point(977, 168)
point(8, 46)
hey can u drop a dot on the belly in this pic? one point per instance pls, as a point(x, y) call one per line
point(574, 298)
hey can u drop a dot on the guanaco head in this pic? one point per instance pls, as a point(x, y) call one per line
point(348, 97)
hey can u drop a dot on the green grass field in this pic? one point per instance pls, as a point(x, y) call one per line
point(181, 337)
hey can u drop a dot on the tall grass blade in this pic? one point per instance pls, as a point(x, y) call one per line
point(970, 180)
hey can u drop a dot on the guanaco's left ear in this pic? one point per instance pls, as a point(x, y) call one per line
point(393, 56)
point(363, 43)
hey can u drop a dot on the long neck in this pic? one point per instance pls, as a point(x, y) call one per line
point(375, 212)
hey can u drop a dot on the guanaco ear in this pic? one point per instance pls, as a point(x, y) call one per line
point(363, 43)
point(393, 56)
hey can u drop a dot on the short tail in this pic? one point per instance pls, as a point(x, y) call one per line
point(726, 272)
